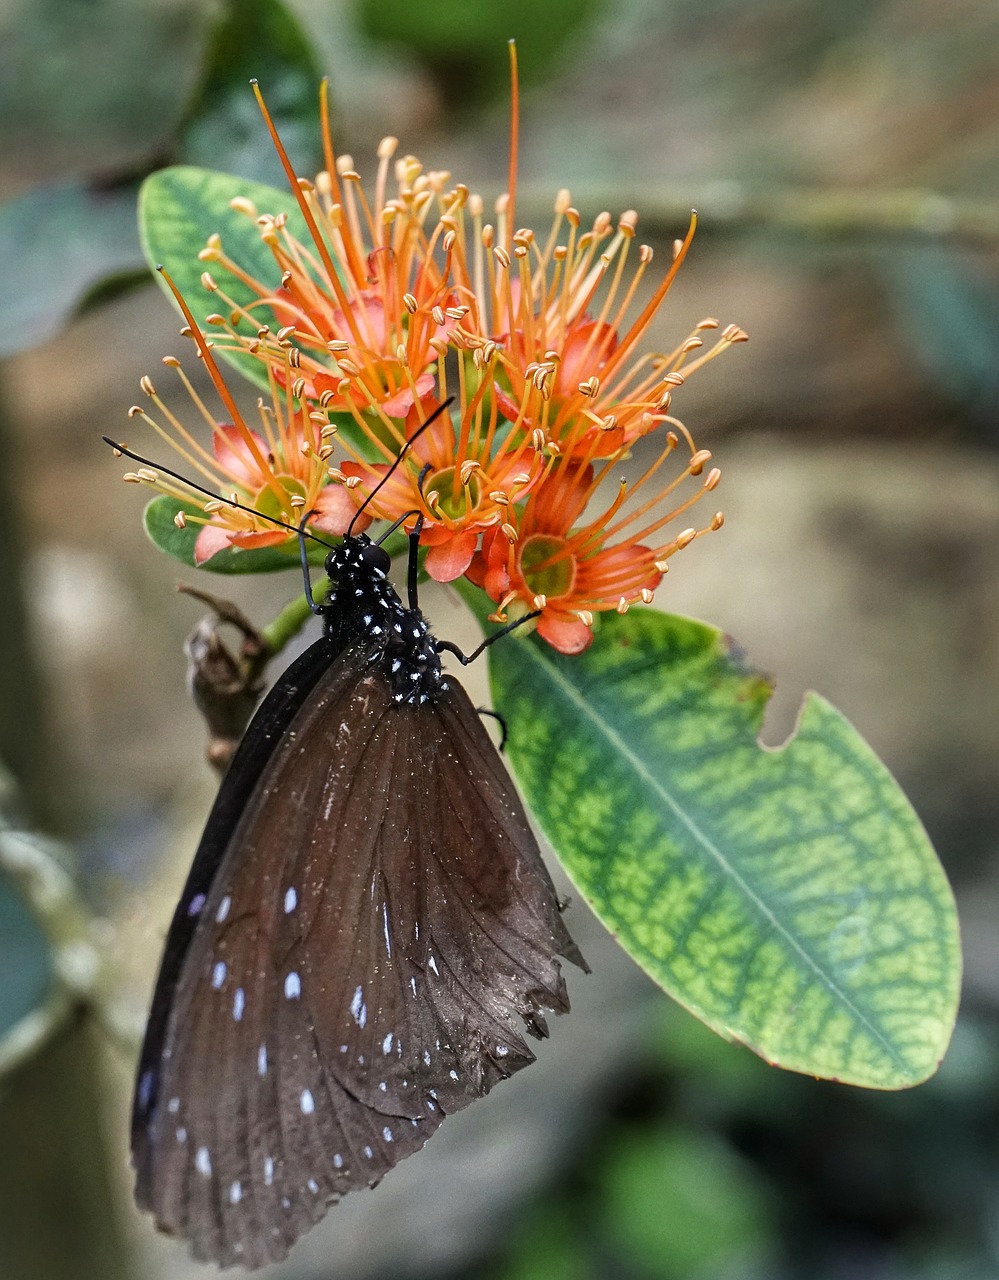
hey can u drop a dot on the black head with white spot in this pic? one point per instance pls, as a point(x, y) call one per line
point(363, 607)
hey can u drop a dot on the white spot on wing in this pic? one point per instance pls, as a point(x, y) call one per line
point(292, 986)
point(262, 1060)
point(218, 974)
point(290, 901)
point(387, 1043)
point(268, 1171)
point(223, 910)
point(307, 1102)
point(313, 1186)
point(235, 1193)
point(195, 905)
point(203, 1162)
point(387, 1134)
point(238, 1004)
point(358, 1008)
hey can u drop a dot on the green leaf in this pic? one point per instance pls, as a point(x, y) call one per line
point(463, 47)
point(24, 959)
point(682, 1203)
point(949, 309)
point(789, 898)
point(48, 959)
point(60, 243)
point(159, 517)
point(180, 207)
point(222, 124)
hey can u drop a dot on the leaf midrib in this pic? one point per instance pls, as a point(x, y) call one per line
point(571, 693)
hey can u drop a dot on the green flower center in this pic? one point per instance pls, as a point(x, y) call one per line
point(452, 506)
point(268, 503)
point(547, 570)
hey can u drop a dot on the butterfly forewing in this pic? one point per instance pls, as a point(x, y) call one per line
point(372, 926)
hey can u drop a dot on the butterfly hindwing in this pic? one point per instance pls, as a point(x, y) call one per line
point(377, 929)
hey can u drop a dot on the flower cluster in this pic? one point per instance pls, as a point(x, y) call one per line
point(403, 297)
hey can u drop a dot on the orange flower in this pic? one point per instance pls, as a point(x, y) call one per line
point(461, 479)
point(361, 305)
point(278, 471)
point(539, 561)
point(399, 303)
point(558, 315)
point(559, 312)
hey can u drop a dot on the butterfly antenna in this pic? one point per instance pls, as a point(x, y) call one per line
point(398, 458)
point(209, 493)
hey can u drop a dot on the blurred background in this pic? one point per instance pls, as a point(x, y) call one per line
point(843, 159)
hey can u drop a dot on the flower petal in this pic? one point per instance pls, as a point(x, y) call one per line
point(336, 511)
point(448, 561)
point(567, 635)
point(399, 405)
point(234, 453)
point(561, 498)
point(212, 539)
point(265, 538)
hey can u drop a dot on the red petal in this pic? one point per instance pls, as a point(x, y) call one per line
point(623, 570)
point(212, 539)
point(476, 571)
point(252, 541)
point(336, 510)
point(488, 569)
point(567, 635)
point(497, 581)
point(323, 382)
point(399, 405)
point(434, 444)
point(451, 558)
point(234, 453)
point(585, 353)
point(510, 409)
point(434, 534)
point(560, 499)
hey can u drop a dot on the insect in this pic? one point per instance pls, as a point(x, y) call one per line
point(366, 932)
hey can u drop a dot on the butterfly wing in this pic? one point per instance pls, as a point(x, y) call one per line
point(371, 937)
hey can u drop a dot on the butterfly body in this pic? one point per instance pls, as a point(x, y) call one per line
point(365, 932)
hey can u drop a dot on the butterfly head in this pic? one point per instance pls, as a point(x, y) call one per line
point(358, 561)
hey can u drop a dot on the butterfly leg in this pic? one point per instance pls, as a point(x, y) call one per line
point(304, 552)
point(466, 658)
point(413, 571)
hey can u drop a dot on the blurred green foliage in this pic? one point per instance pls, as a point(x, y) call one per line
point(710, 1166)
point(72, 244)
point(947, 304)
point(461, 44)
point(24, 958)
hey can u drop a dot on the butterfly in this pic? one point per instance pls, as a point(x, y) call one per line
point(366, 933)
